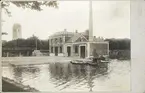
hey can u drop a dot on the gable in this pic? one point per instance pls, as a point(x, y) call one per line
point(81, 39)
point(78, 37)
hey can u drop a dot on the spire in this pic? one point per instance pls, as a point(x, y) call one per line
point(90, 21)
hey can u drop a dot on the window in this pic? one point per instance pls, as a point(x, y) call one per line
point(61, 49)
point(51, 41)
point(76, 49)
point(56, 41)
point(60, 40)
point(51, 49)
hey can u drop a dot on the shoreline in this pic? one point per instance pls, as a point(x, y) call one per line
point(35, 60)
point(9, 85)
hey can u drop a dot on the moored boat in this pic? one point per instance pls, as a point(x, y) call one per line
point(89, 61)
point(79, 62)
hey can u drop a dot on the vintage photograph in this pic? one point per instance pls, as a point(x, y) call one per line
point(65, 46)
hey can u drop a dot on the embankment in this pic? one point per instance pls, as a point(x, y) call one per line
point(12, 86)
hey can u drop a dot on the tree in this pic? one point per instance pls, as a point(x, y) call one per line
point(34, 5)
point(119, 44)
point(27, 43)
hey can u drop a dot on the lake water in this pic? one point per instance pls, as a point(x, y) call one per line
point(67, 77)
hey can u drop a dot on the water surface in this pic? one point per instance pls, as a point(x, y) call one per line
point(68, 77)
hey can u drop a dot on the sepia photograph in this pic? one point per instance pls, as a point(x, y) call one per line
point(66, 46)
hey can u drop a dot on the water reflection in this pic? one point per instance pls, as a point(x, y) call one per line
point(69, 74)
point(65, 76)
point(23, 73)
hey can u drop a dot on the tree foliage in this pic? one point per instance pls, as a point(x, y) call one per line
point(119, 44)
point(27, 43)
point(34, 5)
point(114, 44)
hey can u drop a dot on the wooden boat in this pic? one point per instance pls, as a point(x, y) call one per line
point(79, 62)
point(99, 64)
point(89, 61)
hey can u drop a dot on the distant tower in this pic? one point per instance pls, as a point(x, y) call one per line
point(17, 31)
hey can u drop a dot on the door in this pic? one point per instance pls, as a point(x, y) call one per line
point(56, 51)
point(69, 51)
point(82, 51)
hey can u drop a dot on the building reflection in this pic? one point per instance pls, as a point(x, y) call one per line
point(66, 75)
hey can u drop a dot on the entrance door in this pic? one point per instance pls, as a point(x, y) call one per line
point(82, 51)
point(56, 51)
point(69, 51)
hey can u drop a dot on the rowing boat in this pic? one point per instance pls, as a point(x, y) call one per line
point(89, 61)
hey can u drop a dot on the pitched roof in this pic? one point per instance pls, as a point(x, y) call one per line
point(76, 36)
point(62, 33)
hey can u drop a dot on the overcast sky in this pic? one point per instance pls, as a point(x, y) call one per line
point(111, 19)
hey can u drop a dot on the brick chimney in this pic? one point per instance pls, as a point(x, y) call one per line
point(90, 21)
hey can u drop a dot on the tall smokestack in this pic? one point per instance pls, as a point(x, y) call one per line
point(90, 21)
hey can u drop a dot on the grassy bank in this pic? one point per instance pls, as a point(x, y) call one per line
point(8, 87)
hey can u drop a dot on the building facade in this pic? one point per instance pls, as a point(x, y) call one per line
point(57, 41)
point(76, 45)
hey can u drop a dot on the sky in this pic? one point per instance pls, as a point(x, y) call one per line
point(111, 19)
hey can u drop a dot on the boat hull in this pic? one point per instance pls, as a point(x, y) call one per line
point(100, 64)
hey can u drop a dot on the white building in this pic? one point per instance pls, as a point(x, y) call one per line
point(78, 44)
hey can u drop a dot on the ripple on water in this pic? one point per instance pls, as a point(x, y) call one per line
point(68, 77)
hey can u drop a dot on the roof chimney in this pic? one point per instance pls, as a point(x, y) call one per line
point(65, 30)
point(76, 31)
